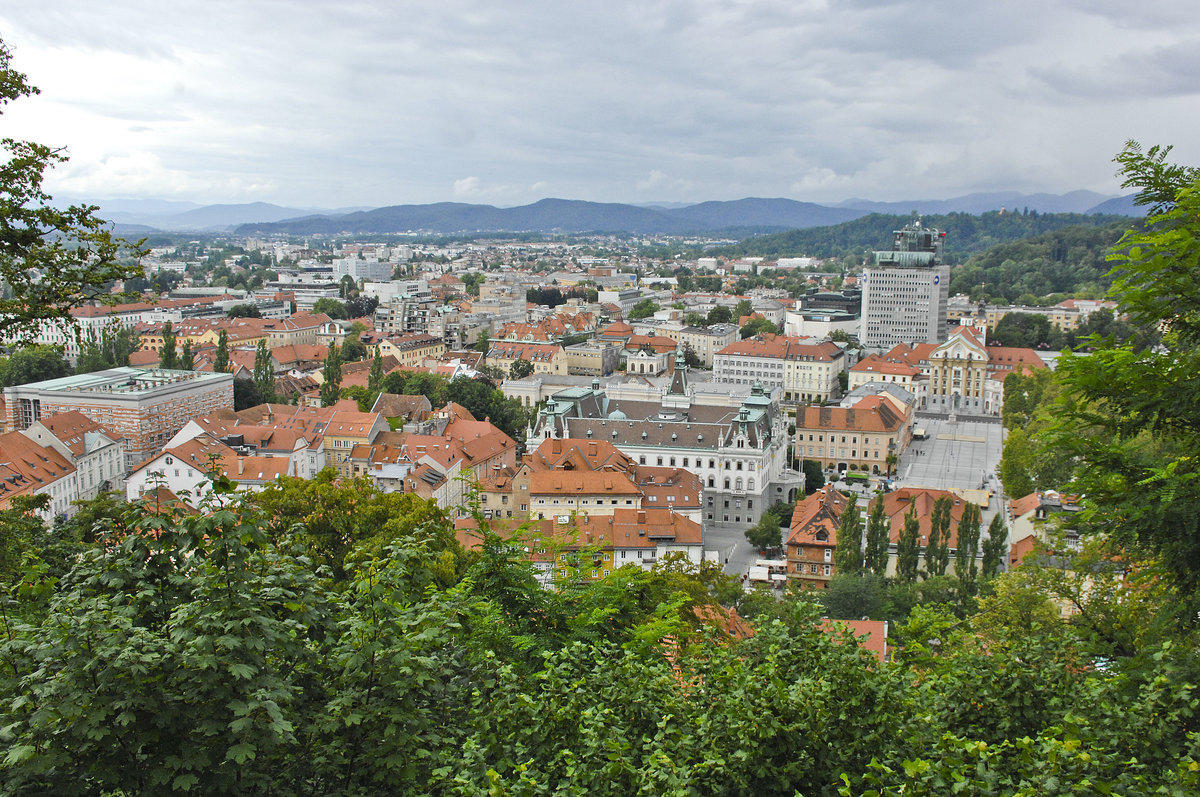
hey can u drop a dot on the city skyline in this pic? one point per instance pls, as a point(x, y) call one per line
point(372, 105)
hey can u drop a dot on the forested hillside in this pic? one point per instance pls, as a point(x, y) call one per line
point(1070, 260)
point(965, 233)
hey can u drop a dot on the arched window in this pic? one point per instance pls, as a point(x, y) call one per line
point(750, 485)
point(726, 482)
point(737, 485)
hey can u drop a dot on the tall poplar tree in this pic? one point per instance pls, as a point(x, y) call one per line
point(264, 373)
point(908, 549)
point(995, 548)
point(375, 377)
point(847, 557)
point(878, 539)
point(221, 363)
point(968, 548)
point(937, 548)
point(331, 387)
point(167, 357)
point(187, 358)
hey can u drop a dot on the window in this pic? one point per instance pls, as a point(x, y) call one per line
point(828, 554)
point(826, 569)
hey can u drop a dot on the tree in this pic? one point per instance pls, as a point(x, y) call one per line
point(743, 309)
point(51, 260)
point(644, 309)
point(221, 361)
point(361, 306)
point(814, 476)
point(520, 369)
point(33, 364)
point(719, 315)
point(246, 394)
point(1016, 464)
point(765, 534)
point(187, 359)
point(168, 357)
point(1157, 181)
point(483, 341)
point(995, 547)
point(353, 349)
point(693, 319)
point(110, 350)
point(1131, 439)
point(375, 377)
point(908, 548)
point(937, 547)
point(875, 557)
point(854, 597)
point(331, 384)
point(264, 373)
point(758, 326)
point(848, 555)
point(243, 311)
point(332, 308)
point(968, 548)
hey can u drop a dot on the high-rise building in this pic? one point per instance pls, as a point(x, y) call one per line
point(906, 290)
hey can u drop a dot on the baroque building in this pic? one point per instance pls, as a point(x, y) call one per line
point(737, 449)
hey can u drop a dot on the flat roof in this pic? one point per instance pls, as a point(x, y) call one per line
point(125, 380)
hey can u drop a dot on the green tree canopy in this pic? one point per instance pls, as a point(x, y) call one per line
point(33, 364)
point(644, 309)
point(332, 308)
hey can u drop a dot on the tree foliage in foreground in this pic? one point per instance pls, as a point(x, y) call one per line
point(294, 643)
point(1128, 420)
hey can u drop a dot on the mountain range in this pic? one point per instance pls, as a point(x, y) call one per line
point(739, 217)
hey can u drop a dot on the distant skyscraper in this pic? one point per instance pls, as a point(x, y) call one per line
point(905, 291)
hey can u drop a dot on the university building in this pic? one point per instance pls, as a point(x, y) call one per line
point(144, 406)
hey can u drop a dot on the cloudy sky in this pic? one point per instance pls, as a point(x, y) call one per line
point(332, 104)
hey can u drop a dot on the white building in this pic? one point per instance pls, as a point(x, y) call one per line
point(906, 291)
point(97, 457)
point(804, 368)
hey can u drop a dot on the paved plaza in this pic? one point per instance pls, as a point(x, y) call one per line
point(960, 454)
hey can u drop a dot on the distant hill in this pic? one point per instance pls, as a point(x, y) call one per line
point(739, 218)
point(565, 215)
point(965, 233)
point(754, 212)
point(1073, 202)
point(1120, 206)
point(1065, 260)
point(208, 217)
